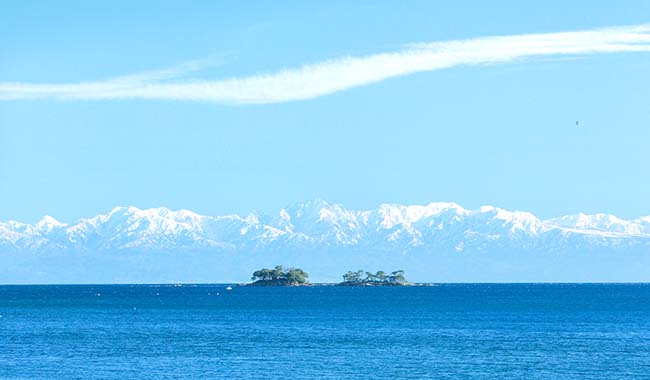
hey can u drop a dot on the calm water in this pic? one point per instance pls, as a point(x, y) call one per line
point(443, 332)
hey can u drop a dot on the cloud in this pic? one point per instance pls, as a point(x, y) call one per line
point(176, 71)
point(327, 77)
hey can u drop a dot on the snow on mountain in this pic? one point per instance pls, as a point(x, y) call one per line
point(318, 224)
point(321, 223)
point(602, 223)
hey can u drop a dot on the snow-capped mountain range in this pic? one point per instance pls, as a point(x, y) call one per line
point(434, 242)
point(319, 225)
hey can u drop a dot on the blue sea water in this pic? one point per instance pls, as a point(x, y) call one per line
point(477, 331)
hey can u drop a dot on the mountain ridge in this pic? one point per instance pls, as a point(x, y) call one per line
point(319, 223)
point(440, 241)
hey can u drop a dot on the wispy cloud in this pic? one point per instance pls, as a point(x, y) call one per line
point(327, 77)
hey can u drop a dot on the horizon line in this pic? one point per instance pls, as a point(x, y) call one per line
point(171, 284)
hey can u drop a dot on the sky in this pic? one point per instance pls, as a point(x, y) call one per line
point(221, 107)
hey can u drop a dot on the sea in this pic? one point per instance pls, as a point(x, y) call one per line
point(447, 331)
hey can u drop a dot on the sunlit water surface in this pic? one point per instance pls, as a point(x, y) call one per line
point(444, 332)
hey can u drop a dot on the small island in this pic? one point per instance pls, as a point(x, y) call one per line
point(381, 278)
point(279, 276)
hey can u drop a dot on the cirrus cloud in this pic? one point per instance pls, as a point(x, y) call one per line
point(330, 76)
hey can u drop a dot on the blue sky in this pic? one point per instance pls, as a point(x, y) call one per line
point(501, 133)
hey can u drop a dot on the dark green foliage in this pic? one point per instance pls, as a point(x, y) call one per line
point(280, 276)
point(353, 277)
point(296, 276)
point(379, 278)
point(397, 277)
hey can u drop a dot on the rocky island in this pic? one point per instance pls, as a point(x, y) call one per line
point(381, 278)
point(279, 276)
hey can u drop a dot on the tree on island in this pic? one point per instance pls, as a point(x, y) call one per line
point(373, 279)
point(370, 277)
point(296, 276)
point(397, 277)
point(353, 277)
point(279, 276)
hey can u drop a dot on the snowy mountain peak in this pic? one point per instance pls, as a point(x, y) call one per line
point(121, 210)
point(599, 222)
point(317, 223)
point(48, 220)
point(487, 208)
point(309, 209)
point(514, 216)
point(47, 224)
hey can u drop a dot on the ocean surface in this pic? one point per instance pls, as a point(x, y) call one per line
point(477, 331)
